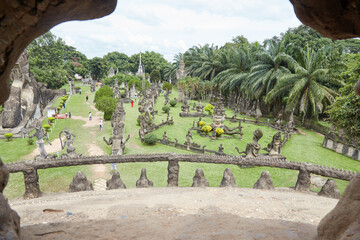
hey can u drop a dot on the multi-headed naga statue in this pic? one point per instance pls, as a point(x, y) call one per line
point(252, 149)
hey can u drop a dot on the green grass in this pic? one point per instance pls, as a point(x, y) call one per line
point(304, 147)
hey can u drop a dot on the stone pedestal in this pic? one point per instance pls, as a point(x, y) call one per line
point(32, 188)
point(173, 173)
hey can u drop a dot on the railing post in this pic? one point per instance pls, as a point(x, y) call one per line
point(32, 188)
point(173, 173)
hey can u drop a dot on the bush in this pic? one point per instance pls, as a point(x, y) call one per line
point(105, 91)
point(167, 86)
point(30, 141)
point(138, 120)
point(46, 127)
point(209, 108)
point(150, 139)
point(64, 99)
point(201, 123)
point(219, 132)
point(51, 119)
point(58, 108)
point(166, 109)
point(206, 128)
point(173, 102)
point(107, 105)
point(8, 136)
point(77, 87)
point(61, 102)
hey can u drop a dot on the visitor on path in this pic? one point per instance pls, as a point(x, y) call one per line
point(101, 125)
point(87, 97)
point(90, 117)
point(132, 103)
point(80, 91)
point(69, 114)
point(63, 105)
point(113, 168)
point(135, 97)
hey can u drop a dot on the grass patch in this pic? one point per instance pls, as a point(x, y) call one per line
point(301, 148)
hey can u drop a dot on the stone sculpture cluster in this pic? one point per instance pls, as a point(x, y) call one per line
point(198, 108)
point(117, 140)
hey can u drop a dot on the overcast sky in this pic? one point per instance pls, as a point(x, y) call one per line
point(173, 26)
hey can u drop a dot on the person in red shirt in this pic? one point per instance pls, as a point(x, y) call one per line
point(132, 103)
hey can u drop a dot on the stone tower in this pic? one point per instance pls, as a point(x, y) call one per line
point(141, 70)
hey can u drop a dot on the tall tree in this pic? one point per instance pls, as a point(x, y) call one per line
point(98, 67)
point(305, 89)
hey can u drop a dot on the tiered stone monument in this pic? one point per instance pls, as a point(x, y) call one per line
point(111, 72)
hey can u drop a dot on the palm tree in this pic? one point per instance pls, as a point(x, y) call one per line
point(199, 61)
point(305, 89)
point(236, 63)
point(271, 63)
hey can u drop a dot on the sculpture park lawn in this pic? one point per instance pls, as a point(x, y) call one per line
point(305, 147)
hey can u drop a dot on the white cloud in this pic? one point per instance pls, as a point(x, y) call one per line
point(170, 27)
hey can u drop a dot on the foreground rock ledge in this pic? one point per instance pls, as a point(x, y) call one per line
point(343, 222)
point(23, 21)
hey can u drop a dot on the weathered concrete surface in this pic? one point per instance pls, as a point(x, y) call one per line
point(23, 21)
point(175, 213)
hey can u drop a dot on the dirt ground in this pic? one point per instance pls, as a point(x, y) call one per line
point(174, 213)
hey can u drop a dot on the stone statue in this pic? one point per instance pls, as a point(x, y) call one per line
point(194, 107)
point(166, 96)
point(40, 134)
point(188, 140)
point(291, 124)
point(165, 139)
point(117, 140)
point(92, 86)
point(278, 123)
point(69, 140)
point(252, 149)
point(199, 107)
point(274, 148)
point(116, 90)
point(185, 107)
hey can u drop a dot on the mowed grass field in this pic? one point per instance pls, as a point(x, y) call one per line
point(304, 147)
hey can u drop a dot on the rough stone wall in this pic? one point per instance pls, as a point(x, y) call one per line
point(23, 21)
point(336, 19)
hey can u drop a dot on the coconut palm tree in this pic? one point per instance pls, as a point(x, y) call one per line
point(305, 89)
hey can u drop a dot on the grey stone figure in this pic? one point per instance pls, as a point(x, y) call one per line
point(80, 183)
point(252, 149)
point(40, 134)
point(188, 140)
point(185, 107)
point(274, 147)
point(117, 140)
point(68, 143)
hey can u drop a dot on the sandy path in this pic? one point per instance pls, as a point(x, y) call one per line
point(175, 213)
point(53, 148)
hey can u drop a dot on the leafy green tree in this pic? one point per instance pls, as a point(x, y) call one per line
point(98, 67)
point(118, 61)
point(155, 76)
point(52, 61)
point(151, 61)
point(344, 113)
point(105, 91)
point(305, 88)
point(107, 105)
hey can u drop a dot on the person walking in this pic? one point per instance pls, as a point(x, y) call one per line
point(132, 103)
point(69, 114)
point(90, 117)
point(87, 97)
point(63, 104)
point(101, 125)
